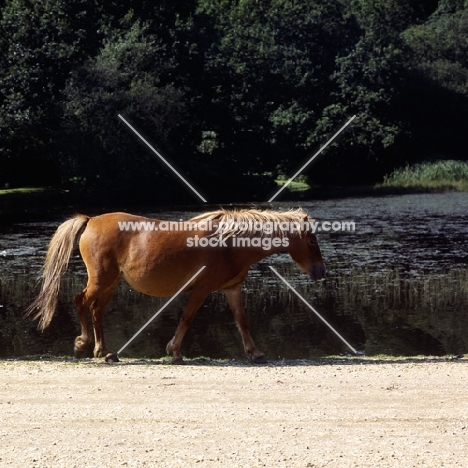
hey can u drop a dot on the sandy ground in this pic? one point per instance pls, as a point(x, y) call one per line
point(334, 413)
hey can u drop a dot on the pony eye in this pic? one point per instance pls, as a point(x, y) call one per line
point(312, 242)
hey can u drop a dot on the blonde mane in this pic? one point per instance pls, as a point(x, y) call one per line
point(246, 222)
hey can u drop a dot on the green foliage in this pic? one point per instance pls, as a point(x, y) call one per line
point(41, 43)
point(234, 93)
point(124, 78)
point(438, 99)
point(369, 79)
point(271, 70)
point(441, 48)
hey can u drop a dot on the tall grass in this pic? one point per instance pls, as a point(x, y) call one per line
point(385, 311)
point(449, 175)
point(391, 290)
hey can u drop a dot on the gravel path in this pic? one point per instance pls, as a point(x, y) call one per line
point(333, 413)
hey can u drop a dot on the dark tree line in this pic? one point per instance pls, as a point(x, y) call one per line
point(233, 93)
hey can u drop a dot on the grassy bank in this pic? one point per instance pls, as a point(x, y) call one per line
point(439, 175)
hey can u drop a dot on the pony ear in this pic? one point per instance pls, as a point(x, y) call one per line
point(305, 217)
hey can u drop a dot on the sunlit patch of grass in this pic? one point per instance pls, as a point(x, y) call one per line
point(299, 184)
point(22, 190)
point(439, 175)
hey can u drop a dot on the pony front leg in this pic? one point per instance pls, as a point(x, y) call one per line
point(194, 303)
point(100, 348)
point(234, 298)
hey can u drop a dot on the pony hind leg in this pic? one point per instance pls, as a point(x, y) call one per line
point(83, 340)
point(234, 298)
point(95, 299)
point(97, 308)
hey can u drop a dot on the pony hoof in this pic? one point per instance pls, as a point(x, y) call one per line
point(178, 361)
point(111, 357)
point(79, 353)
point(260, 360)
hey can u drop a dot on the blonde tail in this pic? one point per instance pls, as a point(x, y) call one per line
point(56, 263)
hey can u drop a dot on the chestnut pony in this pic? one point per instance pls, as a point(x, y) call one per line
point(157, 258)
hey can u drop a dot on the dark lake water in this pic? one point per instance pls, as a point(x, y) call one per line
point(396, 285)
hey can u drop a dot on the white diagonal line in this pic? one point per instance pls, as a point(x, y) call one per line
point(313, 310)
point(161, 309)
point(161, 157)
point(312, 158)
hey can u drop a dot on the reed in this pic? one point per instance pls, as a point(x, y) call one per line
point(446, 174)
point(391, 289)
point(373, 309)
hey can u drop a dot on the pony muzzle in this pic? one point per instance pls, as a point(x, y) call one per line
point(318, 272)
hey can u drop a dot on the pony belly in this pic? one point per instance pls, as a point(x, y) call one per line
point(156, 286)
